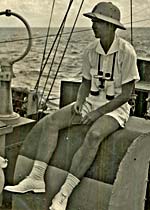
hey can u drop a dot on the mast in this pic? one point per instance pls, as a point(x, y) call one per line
point(131, 15)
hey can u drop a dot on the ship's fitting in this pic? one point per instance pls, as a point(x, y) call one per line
point(6, 108)
point(6, 75)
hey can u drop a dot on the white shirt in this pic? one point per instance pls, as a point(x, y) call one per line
point(125, 69)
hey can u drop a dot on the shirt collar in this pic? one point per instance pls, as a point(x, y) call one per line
point(113, 48)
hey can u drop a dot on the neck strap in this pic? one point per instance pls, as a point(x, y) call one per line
point(113, 66)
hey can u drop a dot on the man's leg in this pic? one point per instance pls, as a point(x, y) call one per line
point(50, 127)
point(47, 131)
point(84, 157)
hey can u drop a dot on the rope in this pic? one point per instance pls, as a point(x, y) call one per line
point(136, 12)
point(44, 52)
point(64, 51)
point(51, 67)
point(40, 37)
point(64, 33)
point(138, 21)
point(58, 33)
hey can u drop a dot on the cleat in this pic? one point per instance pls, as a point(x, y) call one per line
point(27, 185)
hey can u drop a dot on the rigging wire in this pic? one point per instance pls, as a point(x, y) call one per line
point(64, 51)
point(60, 35)
point(77, 31)
point(59, 31)
point(64, 33)
point(131, 11)
point(136, 12)
point(138, 21)
point(44, 52)
point(51, 66)
point(40, 37)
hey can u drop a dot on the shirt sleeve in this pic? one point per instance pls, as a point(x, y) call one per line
point(129, 66)
point(86, 65)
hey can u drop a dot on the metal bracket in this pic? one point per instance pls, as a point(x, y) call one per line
point(8, 13)
point(5, 76)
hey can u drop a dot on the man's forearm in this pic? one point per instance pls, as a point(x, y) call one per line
point(112, 105)
point(118, 101)
point(84, 90)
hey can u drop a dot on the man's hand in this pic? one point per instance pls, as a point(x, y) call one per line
point(78, 107)
point(90, 117)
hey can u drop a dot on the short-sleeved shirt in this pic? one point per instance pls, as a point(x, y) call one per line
point(125, 70)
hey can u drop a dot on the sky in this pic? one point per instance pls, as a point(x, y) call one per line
point(37, 12)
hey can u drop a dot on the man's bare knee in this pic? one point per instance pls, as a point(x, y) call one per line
point(93, 138)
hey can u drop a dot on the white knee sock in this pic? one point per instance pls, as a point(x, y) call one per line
point(38, 170)
point(60, 200)
point(70, 183)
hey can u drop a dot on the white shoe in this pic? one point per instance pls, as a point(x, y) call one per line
point(59, 202)
point(27, 185)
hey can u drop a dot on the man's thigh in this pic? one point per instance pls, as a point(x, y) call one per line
point(105, 125)
point(64, 117)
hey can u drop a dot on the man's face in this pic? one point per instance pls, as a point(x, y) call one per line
point(101, 28)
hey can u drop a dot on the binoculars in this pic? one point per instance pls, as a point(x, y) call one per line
point(108, 83)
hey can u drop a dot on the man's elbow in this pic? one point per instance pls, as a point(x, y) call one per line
point(128, 91)
point(125, 97)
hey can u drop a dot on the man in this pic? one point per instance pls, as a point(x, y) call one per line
point(109, 74)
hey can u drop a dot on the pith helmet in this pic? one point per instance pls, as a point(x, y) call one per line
point(108, 12)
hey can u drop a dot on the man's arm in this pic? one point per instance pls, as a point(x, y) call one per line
point(112, 105)
point(83, 92)
point(119, 100)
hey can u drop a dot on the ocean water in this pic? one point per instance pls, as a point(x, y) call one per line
point(27, 70)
